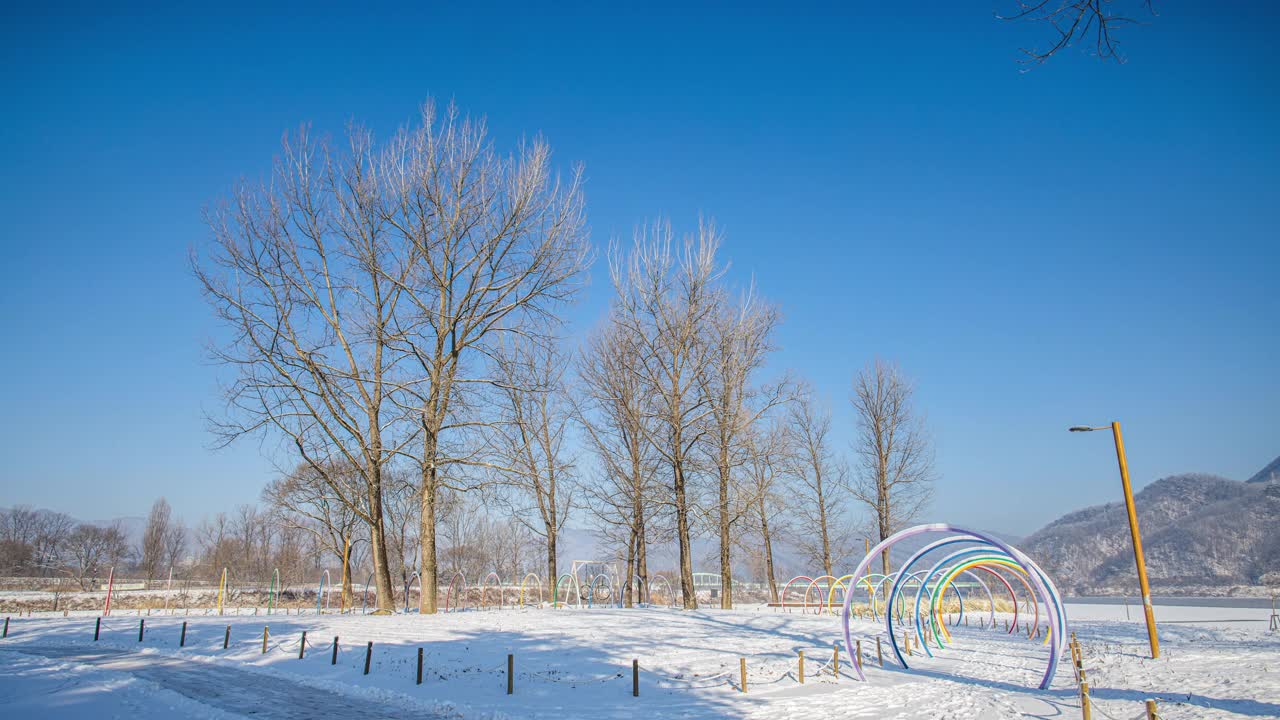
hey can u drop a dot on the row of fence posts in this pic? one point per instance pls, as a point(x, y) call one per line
point(1086, 704)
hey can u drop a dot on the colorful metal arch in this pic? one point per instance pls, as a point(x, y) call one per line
point(408, 588)
point(537, 581)
point(595, 582)
point(462, 589)
point(813, 584)
point(484, 588)
point(782, 594)
point(323, 577)
point(577, 589)
point(671, 594)
point(1043, 585)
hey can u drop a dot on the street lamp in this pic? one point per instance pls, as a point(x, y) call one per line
point(1133, 531)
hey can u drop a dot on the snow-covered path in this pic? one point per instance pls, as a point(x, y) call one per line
point(573, 663)
point(206, 686)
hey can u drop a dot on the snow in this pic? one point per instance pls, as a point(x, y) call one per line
point(1216, 663)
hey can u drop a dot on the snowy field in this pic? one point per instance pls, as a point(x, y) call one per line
point(576, 663)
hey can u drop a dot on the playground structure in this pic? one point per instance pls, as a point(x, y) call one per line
point(923, 611)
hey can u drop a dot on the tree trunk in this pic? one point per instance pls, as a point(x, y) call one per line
point(690, 600)
point(768, 552)
point(822, 527)
point(429, 576)
point(347, 591)
point(644, 593)
point(552, 565)
point(726, 563)
point(629, 581)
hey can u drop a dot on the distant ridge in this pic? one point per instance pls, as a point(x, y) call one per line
point(1202, 534)
point(1270, 473)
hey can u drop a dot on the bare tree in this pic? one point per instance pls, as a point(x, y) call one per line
point(766, 455)
point(894, 472)
point(824, 532)
point(154, 539)
point(93, 548)
point(615, 411)
point(665, 298)
point(305, 500)
point(175, 545)
point(739, 339)
point(302, 271)
point(491, 245)
point(1071, 20)
point(527, 440)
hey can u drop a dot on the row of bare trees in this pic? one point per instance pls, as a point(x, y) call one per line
point(393, 317)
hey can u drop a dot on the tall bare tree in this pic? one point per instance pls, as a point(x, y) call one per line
point(766, 454)
point(91, 549)
point(155, 536)
point(665, 298)
point(527, 441)
point(615, 411)
point(818, 477)
point(491, 246)
point(302, 271)
point(894, 471)
point(739, 340)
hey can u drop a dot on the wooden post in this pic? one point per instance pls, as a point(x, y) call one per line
point(142, 627)
point(635, 678)
point(835, 660)
point(302, 646)
point(368, 657)
point(97, 627)
point(334, 660)
point(879, 655)
point(182, 641)
point(1152, 711)
point(857, 659)
point(226, 638)
point(742, 670)
point(906, 642)
point(266, 631)
point(511, 671)
point(1085, 710)
point(419, 666)
point(801, 667)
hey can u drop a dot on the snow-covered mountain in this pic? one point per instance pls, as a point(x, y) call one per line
point(1202, 534)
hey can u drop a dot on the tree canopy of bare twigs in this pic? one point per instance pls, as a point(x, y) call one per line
point(739, 340)
point(304, 500)
point(893, 473)
point(614, 408)
point(823, 531)
point(1092, 21)
point(665, 297)
point(528, 441)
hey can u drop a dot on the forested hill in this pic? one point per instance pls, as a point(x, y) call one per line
point(1203, 534)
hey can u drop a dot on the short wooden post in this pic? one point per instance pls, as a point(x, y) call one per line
point(6, 627)
point(635, 678)
point(266, 632)
point(835, 660)
point(226, 638)
point(142, 627)
point(742, 671)
point(182, 640)
point(879, 655)
point(511, 671)
point(1152, 711)
point(97, 627)
point(801, 667)
point(1085, 710)
point(334, 659)
point(368, 657)
point(906, 642)
point(1006, 624)
point(302, 646)
point(419, 666)
point(857, 659)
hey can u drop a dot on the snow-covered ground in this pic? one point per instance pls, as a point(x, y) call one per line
point(570, 663)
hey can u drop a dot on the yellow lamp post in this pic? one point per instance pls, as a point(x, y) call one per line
point(1138, 557)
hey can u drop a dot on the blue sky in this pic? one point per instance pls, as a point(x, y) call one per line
point(1080, 243)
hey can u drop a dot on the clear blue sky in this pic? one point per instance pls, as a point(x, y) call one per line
point(1079, 243)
